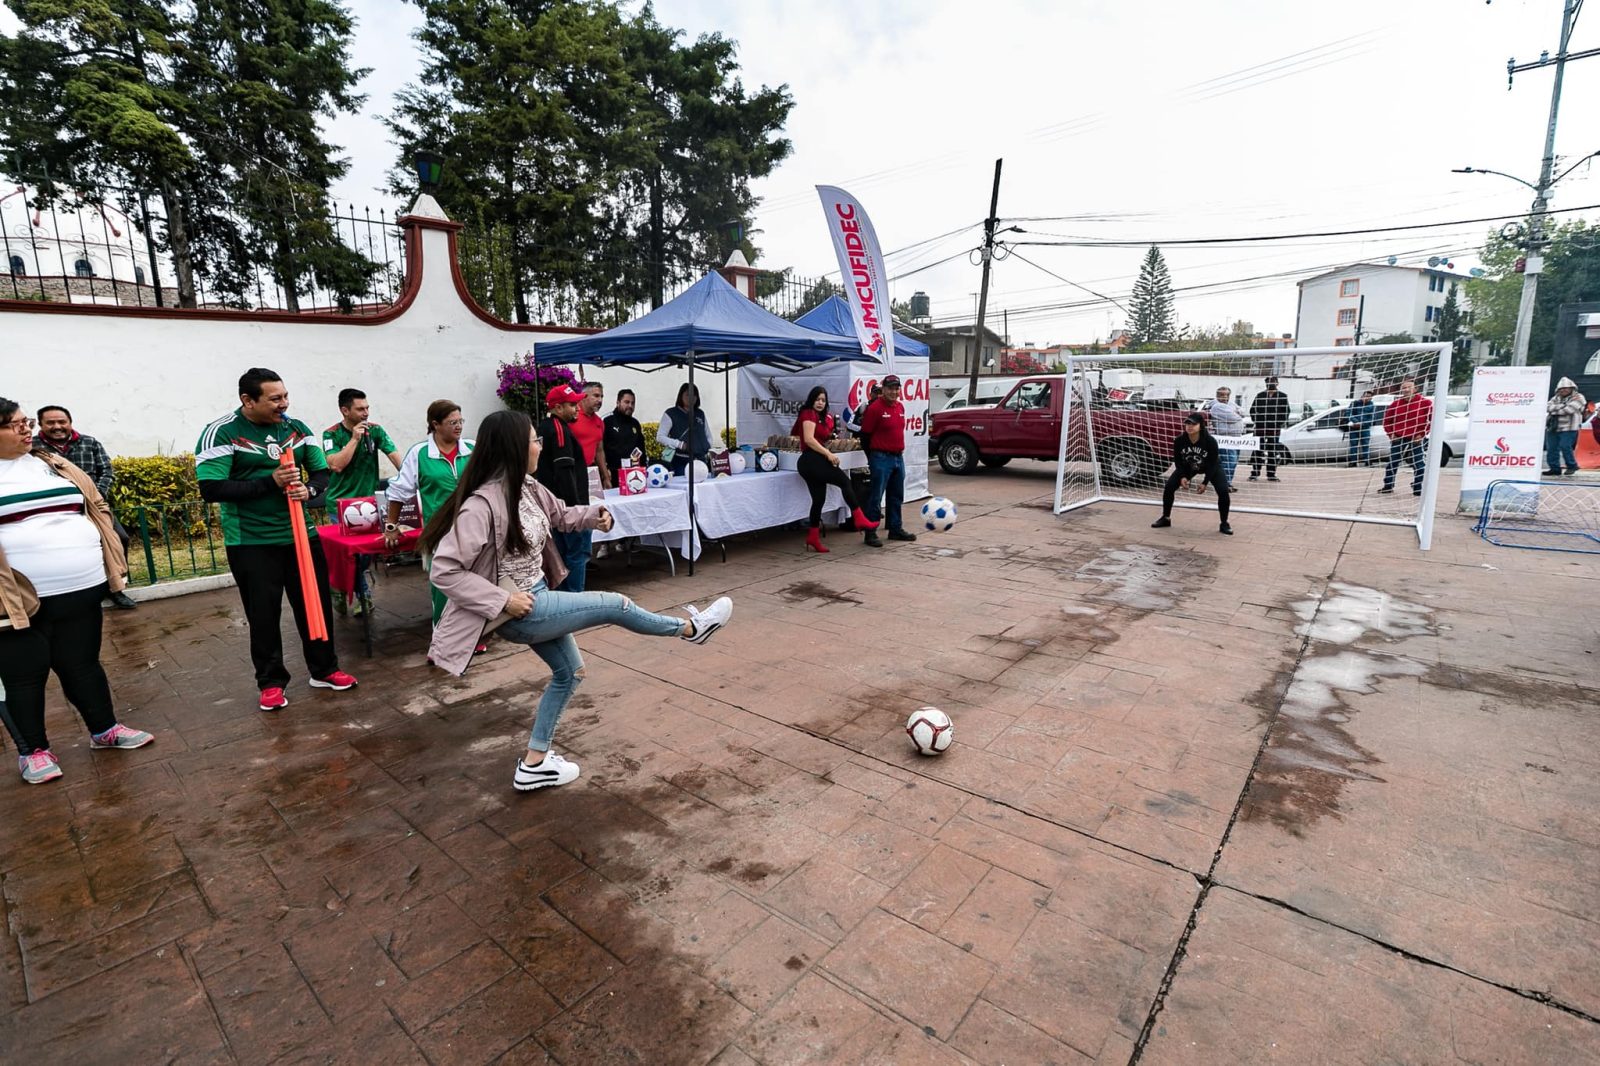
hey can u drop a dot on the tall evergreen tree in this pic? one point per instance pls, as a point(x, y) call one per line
point(1152, 318)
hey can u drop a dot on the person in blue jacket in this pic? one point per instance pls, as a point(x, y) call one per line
point(1362, 416)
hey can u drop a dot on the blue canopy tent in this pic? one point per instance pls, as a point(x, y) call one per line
point(833, 315)
point(709, 324)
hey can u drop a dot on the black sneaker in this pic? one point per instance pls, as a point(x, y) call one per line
point(1550, 473)
point(122, 601)
point(1569, 472)
point(871, 540)
point(1272, 477)
point(1161, 523)
point(900, 534)
point(1416, 492)
point(1225, 529)
point(1255, 477)
point(1387, 491)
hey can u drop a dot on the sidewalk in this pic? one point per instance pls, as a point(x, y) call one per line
point(1109, 865)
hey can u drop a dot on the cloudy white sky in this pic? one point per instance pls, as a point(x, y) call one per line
point(1155, 119)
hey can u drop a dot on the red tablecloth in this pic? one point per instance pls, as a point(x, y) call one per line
point(341, 549)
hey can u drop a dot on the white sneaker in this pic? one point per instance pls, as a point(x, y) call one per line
point(710, 620)
point(553, 770)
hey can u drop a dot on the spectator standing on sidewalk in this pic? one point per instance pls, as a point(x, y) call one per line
point(590, 429)
point(58, 558)
point(561, 469)
point(1407, 422)
point(90, 456)
point(428, 475)
point(883, 434)
point(352, 445)
point(1269, 414)
point(624, 436)
point(1227, 420)
point(1360, 419)
point(237, 462)
point(1563, 419)
point(683, 430)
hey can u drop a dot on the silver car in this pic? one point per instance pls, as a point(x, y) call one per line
point(1322, 438)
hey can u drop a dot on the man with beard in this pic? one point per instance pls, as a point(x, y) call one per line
point(88, 455)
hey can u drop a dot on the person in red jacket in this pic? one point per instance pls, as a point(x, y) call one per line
point(1406, 423)
point(883, 436)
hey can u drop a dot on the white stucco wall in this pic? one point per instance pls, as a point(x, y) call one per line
point(148, 383)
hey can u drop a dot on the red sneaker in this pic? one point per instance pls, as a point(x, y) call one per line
point(273, 699)
point(338, 681)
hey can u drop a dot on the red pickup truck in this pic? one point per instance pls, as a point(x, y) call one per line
point(1133, 442)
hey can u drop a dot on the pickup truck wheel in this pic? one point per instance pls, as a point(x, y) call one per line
point(995, 462)
point(1128, 464)
point(958, 455)
point(1445, 456)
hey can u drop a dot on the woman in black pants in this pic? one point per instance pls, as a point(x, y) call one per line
point(820, 467)
point(1196, 460)
point(59, 557)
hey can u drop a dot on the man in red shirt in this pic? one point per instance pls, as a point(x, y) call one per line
point(883, 437)
point(590, 427)
point(1406, 422)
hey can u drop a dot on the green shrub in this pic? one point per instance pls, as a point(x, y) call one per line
point(155, 482)
point(652, 447)
point(730, 437)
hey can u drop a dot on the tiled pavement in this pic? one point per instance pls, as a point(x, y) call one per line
point(755, 868)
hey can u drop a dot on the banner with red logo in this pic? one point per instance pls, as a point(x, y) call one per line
point(866, 281)
point(1505, 434)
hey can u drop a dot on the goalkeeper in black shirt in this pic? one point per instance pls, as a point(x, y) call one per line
point(1196, 462)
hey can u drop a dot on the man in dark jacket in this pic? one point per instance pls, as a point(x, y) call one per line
point(88, 455)
point(562, 470)
point(624, 436)
point(1359, 420)
point(1269, 413)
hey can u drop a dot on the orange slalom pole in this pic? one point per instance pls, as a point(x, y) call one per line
point(316, 624)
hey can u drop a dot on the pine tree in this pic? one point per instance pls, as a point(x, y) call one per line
point(1450, 330)
point(1152, 319)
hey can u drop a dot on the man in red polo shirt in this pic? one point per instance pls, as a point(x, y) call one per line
point(883, 437)
point(1406, 422)
point(590, 428)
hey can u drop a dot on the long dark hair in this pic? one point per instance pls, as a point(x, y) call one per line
point(809, 405)
point(683, 390)
point(501, 452)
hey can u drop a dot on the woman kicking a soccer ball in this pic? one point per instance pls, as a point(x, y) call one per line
point(495, 561)
point(1196, 462)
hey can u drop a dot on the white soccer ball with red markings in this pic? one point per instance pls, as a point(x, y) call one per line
point(930, 730)
point(360, 516)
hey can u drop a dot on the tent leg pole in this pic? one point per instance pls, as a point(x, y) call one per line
point(688, 439)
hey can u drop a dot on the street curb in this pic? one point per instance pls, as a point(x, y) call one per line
point(165, 590)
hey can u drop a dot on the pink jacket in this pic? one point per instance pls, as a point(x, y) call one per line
point(466, 566)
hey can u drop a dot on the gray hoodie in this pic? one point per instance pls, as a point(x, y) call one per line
point(1567, 411)
point(1227, 419)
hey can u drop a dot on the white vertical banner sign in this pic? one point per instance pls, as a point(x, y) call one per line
point(1505, 434)
point(866, 282)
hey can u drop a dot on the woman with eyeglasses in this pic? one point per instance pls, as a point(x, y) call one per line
point(59, 557)
point(428, 474)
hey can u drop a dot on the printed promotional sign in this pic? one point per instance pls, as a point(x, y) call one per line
point(1505, 434)
point(1238, 444)
point(866, 283)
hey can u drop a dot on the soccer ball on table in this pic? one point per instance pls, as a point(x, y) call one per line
point(938, 515)
point(635, 480)
point(659, 476)
point(930, 730)
point(359, 516)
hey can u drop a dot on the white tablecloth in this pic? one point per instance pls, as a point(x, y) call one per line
point(659, 516)
point(756, 500)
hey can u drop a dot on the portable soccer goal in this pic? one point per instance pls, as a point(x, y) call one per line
point(1317, 448)
point(1557, 516)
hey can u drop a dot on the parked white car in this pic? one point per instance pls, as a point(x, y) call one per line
point(1322, 438)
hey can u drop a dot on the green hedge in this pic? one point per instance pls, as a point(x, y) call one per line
point(153, 482)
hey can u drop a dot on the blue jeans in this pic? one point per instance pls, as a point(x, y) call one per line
point(1560, 446)
point(1414, 451)
point(548, 629)
point(575, 549)
point(1230, 463)
point(363, 563)
point(1360, 446)
point(888, 489)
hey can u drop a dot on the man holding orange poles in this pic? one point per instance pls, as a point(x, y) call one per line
point(238, 464)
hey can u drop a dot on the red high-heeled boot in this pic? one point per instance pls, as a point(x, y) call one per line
point(814, 541)
point(862, 522)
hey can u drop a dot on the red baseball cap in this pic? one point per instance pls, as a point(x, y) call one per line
point(561, 394)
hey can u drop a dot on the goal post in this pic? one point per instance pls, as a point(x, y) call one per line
point(1319, 438)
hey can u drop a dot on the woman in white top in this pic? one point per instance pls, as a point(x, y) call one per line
point(59, 557)
point(495, 560)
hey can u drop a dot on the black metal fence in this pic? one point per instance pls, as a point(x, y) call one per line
point(117, 245)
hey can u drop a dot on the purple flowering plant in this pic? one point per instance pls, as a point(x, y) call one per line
point(523, 384)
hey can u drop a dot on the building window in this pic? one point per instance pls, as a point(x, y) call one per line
point(1350, 287)
point(1343, 342)
point(83, 268)
point(1347, 316)
point(1427, 314)
point(138, 274)
point(19, 269)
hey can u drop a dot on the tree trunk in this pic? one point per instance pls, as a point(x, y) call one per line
point(658, 241)
point(178, 237)
point(519, 263)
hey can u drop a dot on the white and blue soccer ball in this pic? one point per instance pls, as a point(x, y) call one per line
point(659, 476)
point(938, 515)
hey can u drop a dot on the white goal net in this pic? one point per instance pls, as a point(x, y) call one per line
point(1354, 433)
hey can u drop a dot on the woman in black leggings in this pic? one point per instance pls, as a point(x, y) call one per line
point(1197, 460)
point(820, 467)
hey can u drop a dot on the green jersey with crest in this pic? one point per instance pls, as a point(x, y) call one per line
point(235, 448)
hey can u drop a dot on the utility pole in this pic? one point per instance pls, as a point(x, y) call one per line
point(1541, 199)
point(1355, 360)
point(983, 289)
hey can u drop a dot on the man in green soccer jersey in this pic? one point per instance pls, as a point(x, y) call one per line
point(237, 461)
point(352, 445)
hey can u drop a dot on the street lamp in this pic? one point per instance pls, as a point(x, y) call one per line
point(430, 170)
